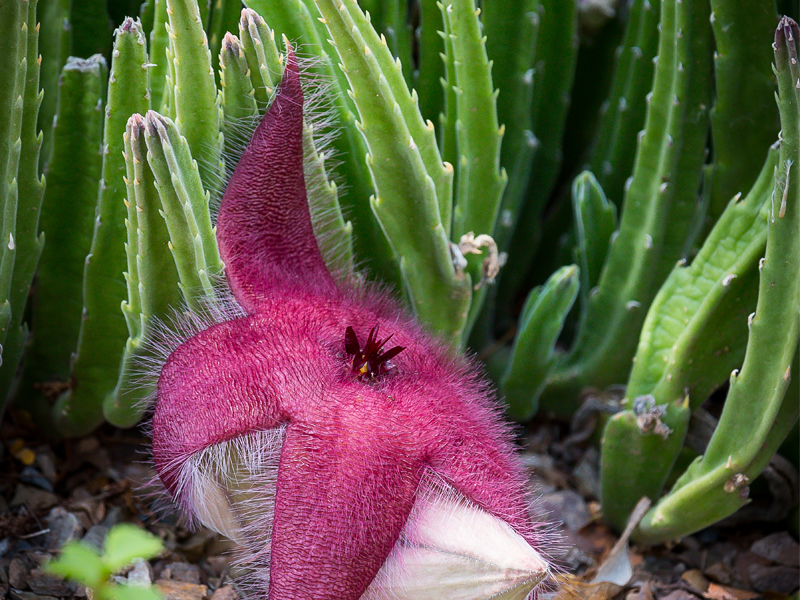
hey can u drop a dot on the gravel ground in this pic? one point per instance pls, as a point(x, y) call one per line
point(79, 489)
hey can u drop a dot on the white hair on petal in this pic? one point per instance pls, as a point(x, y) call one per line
point(230, 488)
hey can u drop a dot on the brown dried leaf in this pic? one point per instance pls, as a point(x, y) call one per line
point(696, 580)
point(574, 589)
point(723, 592)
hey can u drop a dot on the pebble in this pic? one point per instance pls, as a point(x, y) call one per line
point(179, 590)
point(679, 595)
point(781, 579)
point(33, 476)
point(140, 574)
point(18, 571)
point(113, 517)
point(64, 527)
point(96, 537)
point(226, 592)
point(567, 506)
point(46, 461)
point(17, 595)
point(5, 546)
point(185, 572)
point(33, 498)
point(46, 584)
point(780, 548)
point(587, 474)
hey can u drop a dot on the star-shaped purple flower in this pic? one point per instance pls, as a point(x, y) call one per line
point(348, 464)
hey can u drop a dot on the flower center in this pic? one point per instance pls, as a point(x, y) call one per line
point(369, 362)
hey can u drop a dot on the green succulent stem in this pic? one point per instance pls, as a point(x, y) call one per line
point(403, 160)
point(55, 43)
point(22, 188)
point(159, 64)
point(511, 32)
point(151, 277)
point(431, 70)
point(532, 357)
point(184, 205)
point(194, 100)
point(744, 120)
point(661, 210)
point(238, 94)
point(14, 44)
point(623, 114)
point(595, 223)
point(95, 366)
point(480, 179)
point(67, 217)
point(554, 68)
point(755, 419)
point(694, 334)
point(224, 17)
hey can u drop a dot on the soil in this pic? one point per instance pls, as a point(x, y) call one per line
point(51, 493)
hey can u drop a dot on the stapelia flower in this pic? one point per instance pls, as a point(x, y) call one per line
point(349, 453)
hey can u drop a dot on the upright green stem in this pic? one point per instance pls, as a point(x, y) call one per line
point(95, 366)
point(660, 208)
point(744, 120)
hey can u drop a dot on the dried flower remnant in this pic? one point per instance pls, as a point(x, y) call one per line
point(367, 473)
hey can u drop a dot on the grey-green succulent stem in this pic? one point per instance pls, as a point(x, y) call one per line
point(238, 94)
point(14, 44)
point(55, 41)
point(623, 113)
point(696, 329)
point(422, 133)
point(184, 205)
point(151, 277)
point(636, 461)
point(595, 223)
point(293, 18)
point(511, 29)
point(90, 28)
point(533, 357)
point(481, 180)
point(30, 188)
point(554, 67)
point(334, 235)
point(744, 120)
point(431, 68)
point(67, 215)
point(554, 70)
point(194, 90)
point(448, 118)
point(262, 55)
point(395, 28)
point(406, 201)
point(224, 17)
point(297, 20)
point(694, 334)
point(95, 366)
point(660, 208)
point(147, 15)
point(755, 418)
point(159, 64)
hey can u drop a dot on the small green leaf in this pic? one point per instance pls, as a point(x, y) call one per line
point(80, 563)
point(126, 542)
